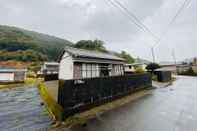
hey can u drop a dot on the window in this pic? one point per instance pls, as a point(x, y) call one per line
point(117, 70)
point(90, 70)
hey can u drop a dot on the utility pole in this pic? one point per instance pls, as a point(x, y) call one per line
point(175, 61)
point(153, 54)
point(174, 56)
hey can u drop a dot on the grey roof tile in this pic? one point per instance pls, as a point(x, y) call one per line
point(92, 54)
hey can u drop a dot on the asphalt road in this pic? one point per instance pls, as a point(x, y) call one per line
point(165, 109)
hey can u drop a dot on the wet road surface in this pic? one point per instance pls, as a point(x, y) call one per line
point(165, 109)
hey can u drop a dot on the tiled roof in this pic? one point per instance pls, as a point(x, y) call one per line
point(4, 69)
point(92, 54)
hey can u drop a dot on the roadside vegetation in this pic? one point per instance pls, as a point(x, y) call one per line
point(151, 68)
point(98, 45)
point(189, 72)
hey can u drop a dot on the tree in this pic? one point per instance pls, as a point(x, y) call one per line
point(195, 61)
point(139, 69)
point(97, 45)
point(129, 59)
point(152, 66)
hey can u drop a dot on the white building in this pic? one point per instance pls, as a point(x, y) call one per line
point(49, 68)
point(12, 75)
point(131, 68)
point(80, 63)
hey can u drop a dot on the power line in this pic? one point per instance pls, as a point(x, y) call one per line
point(135, 18)
point(131, 17)
point(182, 7)
point(185, 3)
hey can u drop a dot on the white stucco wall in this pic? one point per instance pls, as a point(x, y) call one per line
point(6, 77)
point(66, 67)
point(127, 69)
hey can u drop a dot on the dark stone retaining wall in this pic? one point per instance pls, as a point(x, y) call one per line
point(79, 95)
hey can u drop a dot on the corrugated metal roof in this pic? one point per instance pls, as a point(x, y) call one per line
point(166, 69)
point(134, 64)
point(51, 63)
point(92, 54)
point(12, 70)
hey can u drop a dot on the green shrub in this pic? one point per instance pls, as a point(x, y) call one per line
point(189, 72)
point(139, 69)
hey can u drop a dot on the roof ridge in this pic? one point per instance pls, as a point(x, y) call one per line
point(92, 53)
point(87, 50)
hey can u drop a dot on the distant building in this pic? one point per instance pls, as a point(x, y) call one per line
point(50, 68)
point(131, 68)
point(169, 66)
point(184, 68)
point(12, 74)
point(49, 71)
point(80, 63)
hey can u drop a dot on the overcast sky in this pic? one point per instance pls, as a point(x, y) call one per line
point(98, 19)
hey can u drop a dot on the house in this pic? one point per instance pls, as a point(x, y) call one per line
point(131, 68)
point(87, 79)
point(169, 66)
point(49, 71)
point(184, 68)
point(49, 68)
point(12, 74)
point(79, 63)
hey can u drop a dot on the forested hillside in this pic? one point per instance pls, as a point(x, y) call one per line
point(23, 45)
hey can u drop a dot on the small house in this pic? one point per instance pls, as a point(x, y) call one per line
point(12, 74)
point(80, 63)
point(50, 68)
point(131, 68)
point(49, 71)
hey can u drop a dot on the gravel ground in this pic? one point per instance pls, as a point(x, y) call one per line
point(20, 110)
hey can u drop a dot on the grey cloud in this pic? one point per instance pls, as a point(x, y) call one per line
point(90, 19)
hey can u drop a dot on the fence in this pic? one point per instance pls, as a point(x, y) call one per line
point(50, 77)
point(78, 95)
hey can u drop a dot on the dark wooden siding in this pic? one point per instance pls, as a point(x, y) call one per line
point(77, 95)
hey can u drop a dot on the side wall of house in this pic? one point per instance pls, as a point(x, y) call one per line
point(19, 76)
point(6, 77)
point(66, 67)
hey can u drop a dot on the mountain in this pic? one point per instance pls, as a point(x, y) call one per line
point(23, 45)
point(142, 61)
